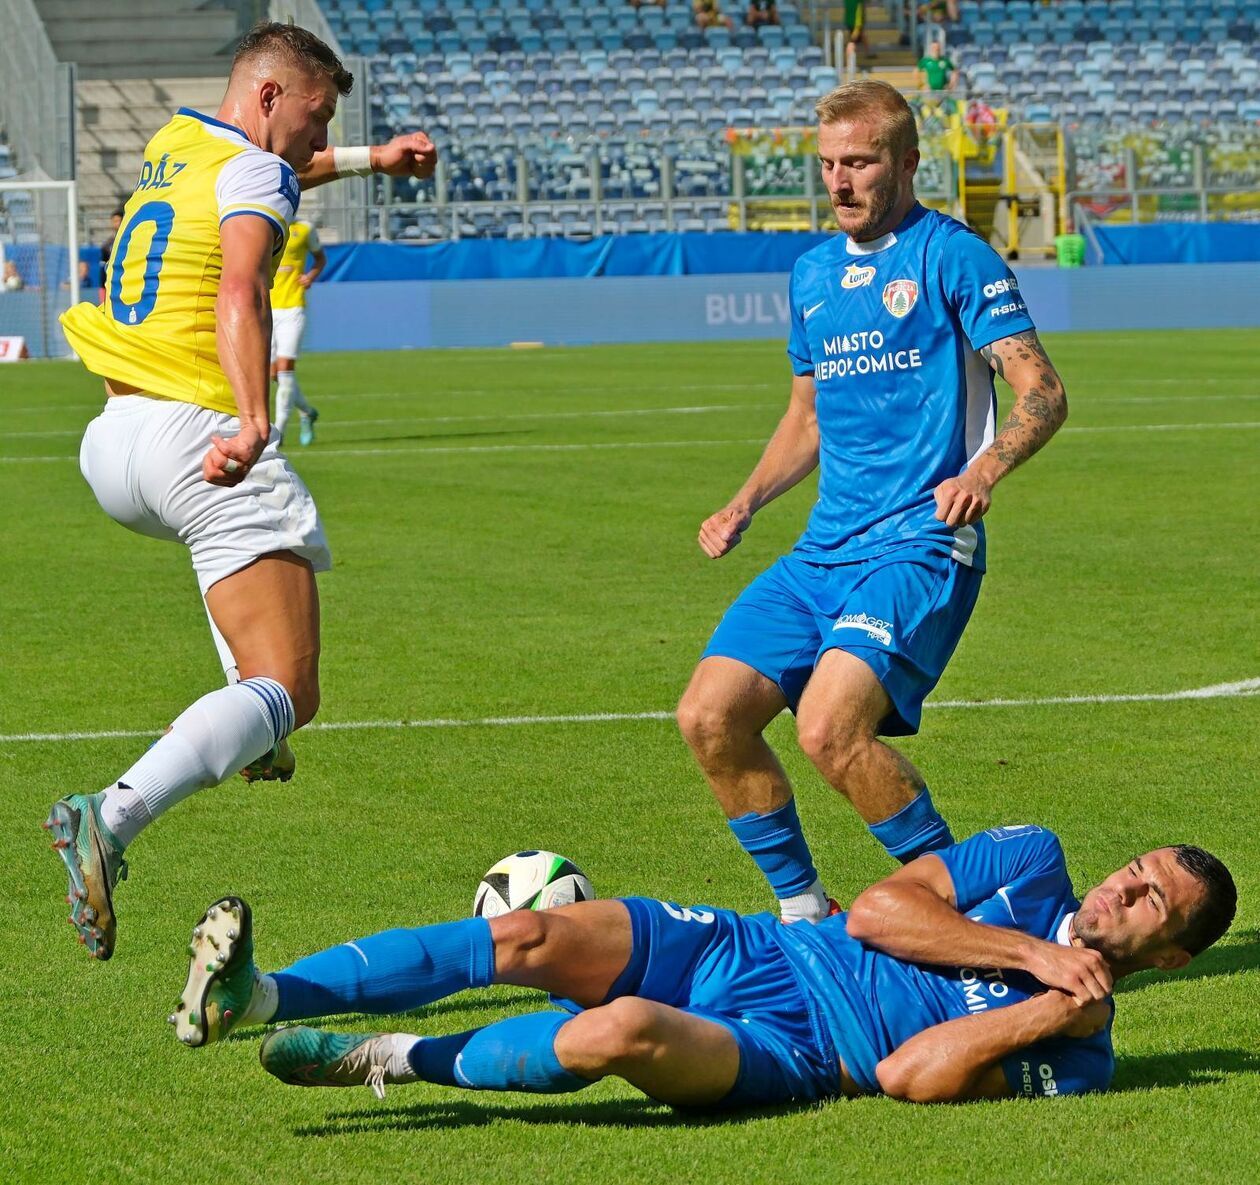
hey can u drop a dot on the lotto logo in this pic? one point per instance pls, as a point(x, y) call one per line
point(1000, 286)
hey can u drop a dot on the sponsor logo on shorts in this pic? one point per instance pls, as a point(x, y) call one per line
point(873, 627)
point(900, 297)
point(857, 276)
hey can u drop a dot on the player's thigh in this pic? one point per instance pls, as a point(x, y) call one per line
point(287, 327)
point(577, 951)
point(772, 628)
point(903, 620)
point(268, 613)
point(129, 478)
point(843, 700)
point(674, 1056)
point(727, 696)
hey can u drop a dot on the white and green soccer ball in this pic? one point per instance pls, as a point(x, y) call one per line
point(530, 880)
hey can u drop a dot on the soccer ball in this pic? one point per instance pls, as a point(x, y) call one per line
point(530, 880)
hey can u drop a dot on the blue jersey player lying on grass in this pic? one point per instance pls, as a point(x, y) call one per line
point(969, 973)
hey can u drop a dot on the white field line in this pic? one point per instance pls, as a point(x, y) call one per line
point(1242, 687)
point(1094, 400)
point(597, 446)
point(494, 419)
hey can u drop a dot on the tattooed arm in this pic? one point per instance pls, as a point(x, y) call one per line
point(1039, 411)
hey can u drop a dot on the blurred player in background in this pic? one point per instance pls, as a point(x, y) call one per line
point(288, 323)
point(897, 326)
point(184, 448)
point(972, 973)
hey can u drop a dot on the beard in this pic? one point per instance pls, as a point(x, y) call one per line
point(877, 207)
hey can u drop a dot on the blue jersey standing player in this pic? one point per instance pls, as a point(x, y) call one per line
point(973, 972)
point(898, 325)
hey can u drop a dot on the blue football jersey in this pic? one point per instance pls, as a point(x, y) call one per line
point(890, 331)
point(871, 1003)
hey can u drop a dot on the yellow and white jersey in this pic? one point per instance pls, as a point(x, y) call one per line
point(286, 292)
point(156, 329)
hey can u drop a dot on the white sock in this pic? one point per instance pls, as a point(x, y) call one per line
point(286, 383)
point(299, 400)
point(809, 906)
point(397, 1064)
point(263, 1003)
point(219, 734)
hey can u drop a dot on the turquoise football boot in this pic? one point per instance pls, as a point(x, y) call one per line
point(302, 1056)
point(94, 859)
point(306, 433)
point(276, 765)
point(222, 977)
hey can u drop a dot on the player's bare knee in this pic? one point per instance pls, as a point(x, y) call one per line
point(520, 940)
point(832, 745)
point(705, 724)
point(619, 1034)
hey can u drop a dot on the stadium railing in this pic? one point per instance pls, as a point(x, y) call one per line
point(37, 103)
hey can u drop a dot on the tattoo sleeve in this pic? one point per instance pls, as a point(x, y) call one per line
point(1040, 400)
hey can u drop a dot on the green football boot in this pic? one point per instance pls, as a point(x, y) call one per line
point(94, 860)
point(221, 974)
point(276, 765)
point(306, 432)
point(302, 1056)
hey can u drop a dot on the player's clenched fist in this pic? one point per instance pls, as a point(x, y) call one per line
point(230, 457)
point(963, 500)
point(1077, 970)
point(722, 531)
point(410, 155)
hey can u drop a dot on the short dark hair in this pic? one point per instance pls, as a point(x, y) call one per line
point(1212, 916)
point(299, 47)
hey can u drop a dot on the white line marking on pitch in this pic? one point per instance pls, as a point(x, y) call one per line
point(1242, 687)
point(592, 446)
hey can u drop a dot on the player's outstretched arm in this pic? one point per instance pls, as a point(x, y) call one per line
point(1039, 411)
point(243, 320)
point(412, 154)
point(912, 915)
point(961, 1059)
point(790, 456)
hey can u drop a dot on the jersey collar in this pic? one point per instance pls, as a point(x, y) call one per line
point(1063, 935)
point(218, 123)
point(874, 246)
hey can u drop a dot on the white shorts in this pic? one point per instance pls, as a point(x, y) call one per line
point(142, 457)
point(287, 327)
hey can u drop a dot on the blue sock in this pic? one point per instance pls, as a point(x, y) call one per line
point(915, 829)
point(777, 845)
point(433, 1058)
point(389, 972)
point(515, 1054)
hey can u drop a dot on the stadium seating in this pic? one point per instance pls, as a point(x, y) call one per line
point(529, 98)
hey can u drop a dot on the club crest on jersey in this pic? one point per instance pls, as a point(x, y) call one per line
point(857, 276)
point(899, 296)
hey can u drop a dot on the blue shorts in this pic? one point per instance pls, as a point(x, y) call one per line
point(728, 968)
point(901, 613)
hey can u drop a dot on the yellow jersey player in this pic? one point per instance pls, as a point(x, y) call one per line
point(288, 323)
point(184, 449)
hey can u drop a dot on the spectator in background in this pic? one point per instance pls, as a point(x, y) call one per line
point(13, 281)
point(709, 14)
point(761, 12)
point(107, 247)
point(938, 11)
point(647, 3)
point(936, 72)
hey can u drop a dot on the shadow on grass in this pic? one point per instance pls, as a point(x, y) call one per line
point(1240, 952)
point(455, 1113)
point(1200, 1067)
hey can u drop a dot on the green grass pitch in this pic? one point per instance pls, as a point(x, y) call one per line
point(515, 537)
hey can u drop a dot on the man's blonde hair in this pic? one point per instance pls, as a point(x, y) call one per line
point(866, 98)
